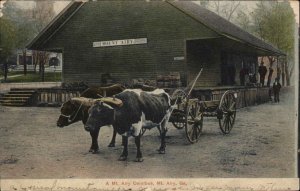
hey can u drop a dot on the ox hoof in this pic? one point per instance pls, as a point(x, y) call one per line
point(94, 151)
point(139, 160)
point(161, 151)
point(122, 158)
point(111, 145)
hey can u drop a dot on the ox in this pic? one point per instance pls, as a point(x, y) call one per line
point(76, 109)
point(134, 109)
point(96, 92)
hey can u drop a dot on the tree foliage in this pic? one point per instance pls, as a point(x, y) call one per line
point(271, 21)
point(274, 22)
point(7, 37)
point(28, 23)
point(226, 9)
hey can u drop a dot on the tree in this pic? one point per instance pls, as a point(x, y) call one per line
point(271, 62)
point(24, 36)
point(225, 9)
point(43, 57)
point(274, 22)
point(23, 27)
point(29, 22)
point(7, 43)
point(243, 20)
point(43, 13)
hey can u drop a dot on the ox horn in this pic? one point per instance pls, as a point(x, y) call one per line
point(111, 101)
point(76, 100)
point(80, 100)
point(100, 96)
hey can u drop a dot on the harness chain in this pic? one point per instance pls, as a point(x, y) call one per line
point(70, 120)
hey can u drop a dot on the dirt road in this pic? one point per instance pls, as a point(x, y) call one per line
point(262, 144)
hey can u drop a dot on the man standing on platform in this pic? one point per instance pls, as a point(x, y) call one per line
point(262, 70)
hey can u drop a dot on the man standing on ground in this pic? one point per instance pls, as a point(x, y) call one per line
point(276, 90)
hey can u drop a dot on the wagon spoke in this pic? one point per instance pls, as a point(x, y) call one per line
point(232, 117)
point(225, 127)
point(228, 108)
point(226, 102)
point(232, 106)
point(193, 122)
point(224, 122)
point(229, 123)
point(194, 133)
point(178, 119)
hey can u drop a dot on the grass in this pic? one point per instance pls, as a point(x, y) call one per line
point(32, 77)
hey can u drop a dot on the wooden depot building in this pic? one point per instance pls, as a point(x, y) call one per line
point(146, 39)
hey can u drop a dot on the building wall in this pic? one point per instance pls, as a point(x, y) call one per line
point(203, 54)
point(165, 27)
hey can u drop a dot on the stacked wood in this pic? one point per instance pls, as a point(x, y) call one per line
point(168, 81)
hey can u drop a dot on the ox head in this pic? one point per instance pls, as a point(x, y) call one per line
point(67, 112)
point(100, 114)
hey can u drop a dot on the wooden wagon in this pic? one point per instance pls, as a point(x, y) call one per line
point(188, 112)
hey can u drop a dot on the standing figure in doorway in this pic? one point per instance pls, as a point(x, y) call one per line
point(270, 76)
point(242, 76)
point(262, 70)
point(276, 89)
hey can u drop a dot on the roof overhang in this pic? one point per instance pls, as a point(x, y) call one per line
point(224, 27)
point(235, 46)
point(258, 50)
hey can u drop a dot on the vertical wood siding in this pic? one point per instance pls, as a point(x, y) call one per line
point(165, 28)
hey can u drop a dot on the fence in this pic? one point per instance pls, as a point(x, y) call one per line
point(55, 96)
point(246, 96)
point(52, 94)
point(5, 87)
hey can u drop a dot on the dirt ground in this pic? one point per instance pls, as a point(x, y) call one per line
point(261, 144)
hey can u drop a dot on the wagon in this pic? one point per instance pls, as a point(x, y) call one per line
point(188, 112)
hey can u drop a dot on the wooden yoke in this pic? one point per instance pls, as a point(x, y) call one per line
point(111, 100)
point(82, 100)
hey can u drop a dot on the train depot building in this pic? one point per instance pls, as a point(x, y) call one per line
point(128, 40)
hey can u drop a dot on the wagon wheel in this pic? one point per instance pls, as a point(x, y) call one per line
point(178, 119)
point(226, 112)
point(178, 95)
point(178, 115)
point(194, 121)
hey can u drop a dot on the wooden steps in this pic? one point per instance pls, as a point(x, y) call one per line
point(18, 97)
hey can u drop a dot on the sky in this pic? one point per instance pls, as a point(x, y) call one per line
point(295, 6)
point(250, 5)
point(59, 5)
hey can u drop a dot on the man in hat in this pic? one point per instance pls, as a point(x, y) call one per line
point(276, 89)
point(262, 70)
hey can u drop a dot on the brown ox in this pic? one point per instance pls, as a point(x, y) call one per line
point(96, 92)
point(76, 109)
